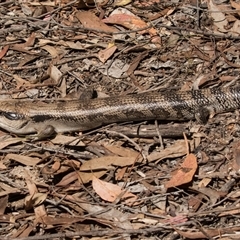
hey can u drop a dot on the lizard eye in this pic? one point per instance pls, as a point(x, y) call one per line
point(11, 115)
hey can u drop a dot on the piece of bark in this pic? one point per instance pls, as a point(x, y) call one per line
point(148, 131)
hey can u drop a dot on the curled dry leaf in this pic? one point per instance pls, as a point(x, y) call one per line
point(22, 46)
point(52, 50)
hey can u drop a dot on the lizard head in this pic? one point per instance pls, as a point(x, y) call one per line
point(12, 121)
point(12, 116)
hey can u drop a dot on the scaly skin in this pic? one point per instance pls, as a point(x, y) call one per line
point(46, 117)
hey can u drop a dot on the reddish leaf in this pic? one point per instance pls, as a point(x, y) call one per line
point(185, 173)
point(4, 51)
point(130, 21)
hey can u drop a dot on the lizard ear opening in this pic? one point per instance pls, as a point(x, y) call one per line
point(11, 115)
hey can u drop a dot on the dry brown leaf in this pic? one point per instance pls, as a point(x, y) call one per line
point(56, 166)
point(67, 179)
point(24, 232)
point(75, 164)
point(62, 220)
point(233, 212)
point(176, 220)
point(26, 10)
point(4, 51)
point(130, 22)
point(27, 59)
point(6, 190)
point(54, 73)
point(204, 182)
point(212, 194)
point(60, 167)
point(120, 3)
point(86, 177)
point(122, 151)
point(39, 211)
point(226, 78)
point(134, 64)
point(107, 162)
point(185, 173)
point(20, 81)
point(206, 233)
point(218, 17)
point(5, 193)
point(35, 200)
point(29, 43)
point(67, 140)
point(83, 177)
point(75, 45)
point(198, 234)
point(110, 192)
point(63, 87)
point(25, 160)
point(52, 50)
point(6, 140)
point(105, 54)
point(2, 166)
point(236, 28)
point(177, 149)
point(120, 219)
point(3, 204)
point(194, 202)
point(234, 194)
point(47, 3)
point(120, 173)
point(235, 5)
point(236, 156)
point(91, 21)
point(23, 47)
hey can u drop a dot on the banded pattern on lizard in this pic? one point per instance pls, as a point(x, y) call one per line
point(46, 117)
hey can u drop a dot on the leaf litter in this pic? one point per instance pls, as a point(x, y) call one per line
point(156, 180)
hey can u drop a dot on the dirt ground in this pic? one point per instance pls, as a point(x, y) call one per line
point(132, 180)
